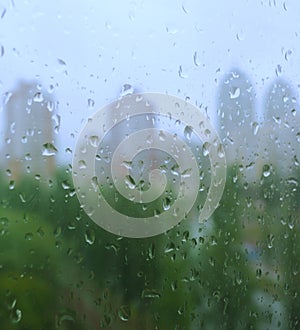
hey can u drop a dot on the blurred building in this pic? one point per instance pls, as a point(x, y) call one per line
point(280, 129)
point(29, 146)
point(237, 122)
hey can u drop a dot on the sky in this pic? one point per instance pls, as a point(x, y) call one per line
point(88, 49)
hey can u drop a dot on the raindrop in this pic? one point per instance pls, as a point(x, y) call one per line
point(166, 204)
point(287, 55)
point(266, 170)
point(129, 181)
point(11, 185)
point(38, 97)
point(65, 184)
point(89, 236)
point(94, 140)
point(196, 59)
point(127, 89)
point(255, 127)
point(28, 236)
point(61, 62)
point(278, 70)
point(151, 251)
point(234, 93)
point(151, 293)
point(270, 240)
point(188, 130)
point(49, 149)
point(181, 74)
point(170, 247)
point(16, 316)
point(1, 51)
point(205, 149)
point(91, 103)
point(124, 313)
point(95, 183)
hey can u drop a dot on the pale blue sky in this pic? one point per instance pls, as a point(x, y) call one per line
point(106, 44)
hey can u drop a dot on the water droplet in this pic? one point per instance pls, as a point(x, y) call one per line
point(89, 236)
point(234, 93)
point(181, 74)
point(151, 251)
point(170, 247)
point(129, 181)
point(278, 70)
point(266, 170)
point(16, 315)
point(65, 184)
point(124, 313)
point(38, 97)
point(270, 240)
point(255, 127)
point(82, 164)
point(205, 149)
point(28, 236)
point(166, 203)
point(196, 59)
point(188, 130)
point(49, 149)
point(151, 293)
point(91, 103)
point(1, 50)
point(11, 185)
point(127, 89)
point(221, 152)
point(287, 55)
point(162, 136)
point(61, 62)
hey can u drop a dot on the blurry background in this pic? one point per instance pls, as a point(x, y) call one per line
point(239, 63)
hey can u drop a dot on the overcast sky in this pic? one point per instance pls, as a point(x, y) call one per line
point(89, 49)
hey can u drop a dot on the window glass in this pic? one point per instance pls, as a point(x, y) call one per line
point(149, 176)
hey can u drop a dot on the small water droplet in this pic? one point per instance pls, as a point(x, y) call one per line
point(188, 130)
point(89, 236)
point(129, 181)
point(61, 62)
point(266, 170)
point(181, 74)
point(196, 59)
point(49, 149)
point(38, 97)
point(151, 293)
point(16, 315)
point(234, 93)
point(278, 70)
point(205, 149)
point(91, 103)
point(166, 203)
point(124, 313)
point(127, 89)
point(1, 50)
point(255, 127)
point(65, 184)
point(28, 236)
point(11, 185)
point(270, 240)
